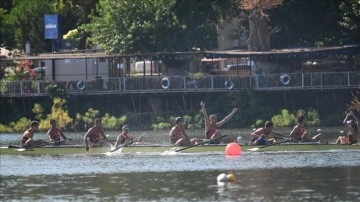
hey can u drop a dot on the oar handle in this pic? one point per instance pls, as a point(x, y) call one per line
point(276, 143)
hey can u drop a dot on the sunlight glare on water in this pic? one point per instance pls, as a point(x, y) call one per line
point(171, 161)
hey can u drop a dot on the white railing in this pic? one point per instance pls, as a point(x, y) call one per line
point(165, 84)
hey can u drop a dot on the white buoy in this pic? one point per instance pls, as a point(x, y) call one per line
point(222, 178)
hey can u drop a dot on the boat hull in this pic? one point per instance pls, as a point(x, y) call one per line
point(79, 149)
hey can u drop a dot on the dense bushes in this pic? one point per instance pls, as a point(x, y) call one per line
point(253, 110)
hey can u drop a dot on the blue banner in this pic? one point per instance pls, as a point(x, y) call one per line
point(52, 26)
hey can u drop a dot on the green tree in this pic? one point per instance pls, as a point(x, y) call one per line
point(112, 123)
point(59, 113)
point(26, 22)
point(350, 20)
point(21, 125)
point(23, 20)
point(136, 26)
point(6, 39)
point(74, 13)
point(38, 111)
point(284, 119)
point(132, 26)
point(315, 23)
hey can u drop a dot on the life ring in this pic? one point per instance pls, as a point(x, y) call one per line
point(229, 85)
point(80, 85)
point(285, 79)
point(165, 83)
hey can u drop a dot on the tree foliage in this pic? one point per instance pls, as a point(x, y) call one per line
point(284, 119)
point(58, 112)
point(25, 22)
point(136, 26)
point(355, 102)
point(259, 29)
point(314, 23)
point(350, 19)
point(130, 26)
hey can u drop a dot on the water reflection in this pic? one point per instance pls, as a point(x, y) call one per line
point(295, 184)
point(260, 176)
point(166, 162)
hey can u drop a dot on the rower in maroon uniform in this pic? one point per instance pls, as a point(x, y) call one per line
point(212, 131)
point(55, 133)
point(27, 138)
point(95, 135)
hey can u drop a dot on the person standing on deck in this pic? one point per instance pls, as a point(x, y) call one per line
point(94, 135)
point(300, 134)
point(55, 133)
point(212, 126)
point(352, 126)
point(27, 137)
point(178, 136)
point(124, 137)
point(265, 135)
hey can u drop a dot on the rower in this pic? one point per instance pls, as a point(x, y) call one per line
point(300, 134)
point(55, 134)
point(265, 135)
point(178, 135)
point(124, 137)
point(95, 135)
point(212, 126)
point(27, 138)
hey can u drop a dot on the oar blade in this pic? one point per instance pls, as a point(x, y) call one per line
point(20, 150)
point(253, 149)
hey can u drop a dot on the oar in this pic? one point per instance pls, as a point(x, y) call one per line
point(20, 149)
point(201, 143)
point(125, 144)
point(269, 145)
point(16, 148)
point(55, 143)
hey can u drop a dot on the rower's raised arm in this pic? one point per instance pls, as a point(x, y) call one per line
point(206, 117)
point(294, 132)
point(346, 118)
point(86, 141)
point(355, 117)
point(227, 118)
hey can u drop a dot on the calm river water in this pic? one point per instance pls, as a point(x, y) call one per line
point(260, 176)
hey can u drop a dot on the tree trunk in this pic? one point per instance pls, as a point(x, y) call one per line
point(259, 37)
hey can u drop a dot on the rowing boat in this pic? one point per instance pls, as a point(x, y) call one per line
point(78, 149)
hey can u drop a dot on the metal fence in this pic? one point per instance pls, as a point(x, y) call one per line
point(166, 84)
